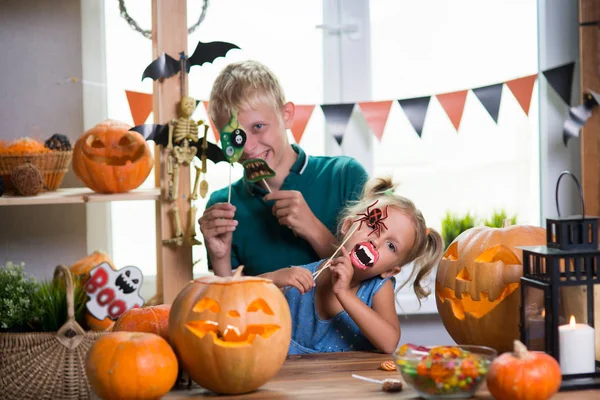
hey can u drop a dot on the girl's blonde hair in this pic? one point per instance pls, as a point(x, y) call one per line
point(428, 247)
point(243, 85)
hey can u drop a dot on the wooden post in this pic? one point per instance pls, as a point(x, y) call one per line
point(589, 54)
point(174, 263)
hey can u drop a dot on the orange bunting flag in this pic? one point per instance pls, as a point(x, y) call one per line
point(214, 129)
point(376, 113)
point(301, 117)
point(454, 105)
point(522, 89)
point(140, 105)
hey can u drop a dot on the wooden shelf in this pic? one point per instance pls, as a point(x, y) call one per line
point(78, 195)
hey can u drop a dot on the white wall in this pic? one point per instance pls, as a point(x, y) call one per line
point(41, 46)
point(558, 45)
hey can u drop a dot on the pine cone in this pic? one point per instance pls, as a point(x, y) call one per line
point(58, 142)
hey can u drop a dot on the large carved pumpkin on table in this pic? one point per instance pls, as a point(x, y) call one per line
point(111, 159)
point(230, 334)
point(477, 284)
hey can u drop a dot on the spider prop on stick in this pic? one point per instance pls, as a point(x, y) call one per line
point(373, 218)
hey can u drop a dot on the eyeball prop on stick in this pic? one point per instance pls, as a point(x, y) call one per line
point(233, 139)
point(257, 169)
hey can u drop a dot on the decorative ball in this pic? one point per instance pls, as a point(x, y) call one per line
point(131, 365)
point(231, 334)
point(477, 284)
point(27, 179)
point(109, 158)
point(58, 142)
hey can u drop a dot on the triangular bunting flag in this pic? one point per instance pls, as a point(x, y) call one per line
point(561, 80)
point(376, 113)
point(490, 97)
point(301, 116)
point(337, 117)
point(140, 105)
point(215, 132)
point(197, 102)
point(454, 105)
point(522, 89)
point(416, 110)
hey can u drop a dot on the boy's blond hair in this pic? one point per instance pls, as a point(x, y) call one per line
point(243, 85)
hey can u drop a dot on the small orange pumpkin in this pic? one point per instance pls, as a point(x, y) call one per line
point(111, 159)
point(131, 365)
point(82, 269)
point(231, 334)
point(153, 319)
point(477, 281)
point(524, 375)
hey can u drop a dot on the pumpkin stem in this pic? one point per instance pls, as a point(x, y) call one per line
point(238, 272)
point(520, 350)
point(506, 223)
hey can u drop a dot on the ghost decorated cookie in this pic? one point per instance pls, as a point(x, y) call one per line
point(113, 292)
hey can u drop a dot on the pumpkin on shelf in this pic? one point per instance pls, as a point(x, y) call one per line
point(524, 375)
point(109, 158)
point(81, 269)
point(153, 319)
point(477, 281)
point(131, 365)
point(231, 334)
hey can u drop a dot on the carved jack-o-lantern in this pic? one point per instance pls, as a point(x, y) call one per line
point(231, 334)
point(477, 282)
point(110, 159)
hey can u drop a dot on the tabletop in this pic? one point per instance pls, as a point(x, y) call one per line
point(329, 376)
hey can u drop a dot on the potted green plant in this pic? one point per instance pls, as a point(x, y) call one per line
point(17, 298)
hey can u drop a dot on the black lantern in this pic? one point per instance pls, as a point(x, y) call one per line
point(557, 296)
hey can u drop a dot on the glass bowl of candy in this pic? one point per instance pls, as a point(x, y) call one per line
point(444, 372)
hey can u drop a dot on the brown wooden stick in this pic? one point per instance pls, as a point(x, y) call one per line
point(328, 263)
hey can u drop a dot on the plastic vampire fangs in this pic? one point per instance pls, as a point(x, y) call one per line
point(373, 218)
point(256, 169)
point(233, 139)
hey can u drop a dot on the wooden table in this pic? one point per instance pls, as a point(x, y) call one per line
point(328, 376)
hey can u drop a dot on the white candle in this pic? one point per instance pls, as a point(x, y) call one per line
point(577, 352)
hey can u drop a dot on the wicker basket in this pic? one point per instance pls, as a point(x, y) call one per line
point(53, 166)
point(48, 365)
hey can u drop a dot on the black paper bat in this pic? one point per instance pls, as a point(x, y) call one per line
point(160, 135)
point(166, 66)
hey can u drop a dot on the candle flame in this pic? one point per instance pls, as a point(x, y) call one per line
point(543, 313)
point(572, 320)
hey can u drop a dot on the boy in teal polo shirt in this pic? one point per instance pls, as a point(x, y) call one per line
point(296, 223)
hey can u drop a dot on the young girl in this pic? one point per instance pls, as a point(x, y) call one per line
point(352, 305)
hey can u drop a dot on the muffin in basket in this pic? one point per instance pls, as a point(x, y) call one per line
point(52, 158)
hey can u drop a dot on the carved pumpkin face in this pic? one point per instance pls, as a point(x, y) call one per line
point(110, 159)
point(477, 282)
point(231, 334)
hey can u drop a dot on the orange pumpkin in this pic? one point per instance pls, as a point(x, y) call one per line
point(82, 269)
point(231, 334)
point(111, 159)
point(154, 319)
point(131, 365)
point(477, 282)
point(524, 375)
